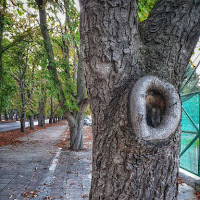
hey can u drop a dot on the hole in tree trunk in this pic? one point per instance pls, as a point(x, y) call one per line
point(155, 107)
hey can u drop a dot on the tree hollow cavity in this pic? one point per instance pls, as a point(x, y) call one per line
point(155, 109)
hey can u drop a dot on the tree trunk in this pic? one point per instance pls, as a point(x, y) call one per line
point(23, 102)
point(16, 116)
point(81, 102)
point(42, 103)
point(31, 121)
point(76, 133)
point(52, 113)
point(43, 119)
point(23, 120)
point(5, 115)
point(50, 120)
point(11, 115)
point(117, 51)
point(54, 120)
point(40, 120)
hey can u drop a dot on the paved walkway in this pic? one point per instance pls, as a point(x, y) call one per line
point(37, 169)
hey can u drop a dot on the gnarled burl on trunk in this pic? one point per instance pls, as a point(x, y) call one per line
point(118, 51)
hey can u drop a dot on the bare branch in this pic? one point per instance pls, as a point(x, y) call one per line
point(15, 78)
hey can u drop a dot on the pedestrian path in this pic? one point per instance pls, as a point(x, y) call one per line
point(40, 169)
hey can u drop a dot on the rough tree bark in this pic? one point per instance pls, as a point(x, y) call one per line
point(5, 115)
point(23, 109)
point(31, 121)
point(54, 120)
point(42, 103)
point(52, 112)
point(40, 120)
point(23, 119)
point(11, 113)
point(16, 116)
point(117, 51)
point(74, 118)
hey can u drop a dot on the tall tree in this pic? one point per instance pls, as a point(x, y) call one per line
point(23, 74)
point(74, 117)
point(11, 33)
point(42, 103)
point(2, 24)
point(117, 51)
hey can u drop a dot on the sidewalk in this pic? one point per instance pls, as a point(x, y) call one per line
point(40, 169)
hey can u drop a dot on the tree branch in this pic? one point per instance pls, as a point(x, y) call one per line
point(170, 35)
point(48, 46)
point(19, 39)
point(83, 104)
point(81, 85)
point(15, 78)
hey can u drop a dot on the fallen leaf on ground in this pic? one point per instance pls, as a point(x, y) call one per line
point(47, 197)
point(197, 194)
point(72, 164)
point(85, 196)
point(12, 137)
point(180, 181)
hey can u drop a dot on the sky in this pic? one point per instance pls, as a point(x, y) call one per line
point(196, 56)
point(77, 5)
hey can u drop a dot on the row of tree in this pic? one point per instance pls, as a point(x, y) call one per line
point(40, 63)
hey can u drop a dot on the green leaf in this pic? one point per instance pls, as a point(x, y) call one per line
point(20, 12)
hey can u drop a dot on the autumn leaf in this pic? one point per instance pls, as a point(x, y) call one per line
point(72, 164)
point(85, 196)
point(180, 181)
point(197, 194)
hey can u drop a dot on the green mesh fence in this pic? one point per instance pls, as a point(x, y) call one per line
point(189, 159)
